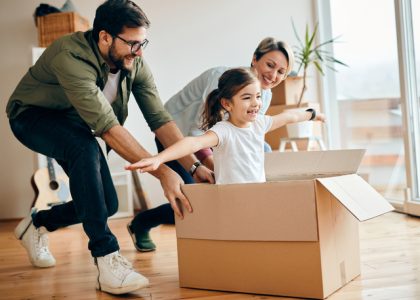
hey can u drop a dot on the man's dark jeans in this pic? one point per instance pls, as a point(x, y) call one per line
point(71, 143)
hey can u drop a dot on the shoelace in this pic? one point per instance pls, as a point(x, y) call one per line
point(41, 242)
point(120, 266)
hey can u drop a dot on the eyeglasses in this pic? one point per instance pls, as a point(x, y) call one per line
point(135, 45)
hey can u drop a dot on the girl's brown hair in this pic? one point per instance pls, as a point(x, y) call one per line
point(230, 83)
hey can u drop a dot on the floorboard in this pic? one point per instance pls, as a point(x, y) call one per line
point(390, 258)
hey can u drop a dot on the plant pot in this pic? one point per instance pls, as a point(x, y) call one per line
point(300, 130)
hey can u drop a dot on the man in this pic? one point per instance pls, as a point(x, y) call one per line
point(79, 89)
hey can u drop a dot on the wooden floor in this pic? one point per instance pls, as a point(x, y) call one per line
point(390, 254)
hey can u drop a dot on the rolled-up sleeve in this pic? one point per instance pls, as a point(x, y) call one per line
point(78, 79)
point(147, 97)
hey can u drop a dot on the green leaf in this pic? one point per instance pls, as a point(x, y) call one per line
point(310, 52)
point(318, 66)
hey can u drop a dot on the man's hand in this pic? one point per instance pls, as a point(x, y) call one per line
point(119, 139)
point(171, 184)
point(169, 180)
point(203, 174)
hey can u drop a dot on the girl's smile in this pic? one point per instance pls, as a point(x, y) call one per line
point(243, 108)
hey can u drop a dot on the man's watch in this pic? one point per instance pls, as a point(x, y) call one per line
point(194, 167)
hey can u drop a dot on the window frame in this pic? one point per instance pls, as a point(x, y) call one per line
point(409, 104)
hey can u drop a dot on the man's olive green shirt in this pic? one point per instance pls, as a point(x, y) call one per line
point(71, 74)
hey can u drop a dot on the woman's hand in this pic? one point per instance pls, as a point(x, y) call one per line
point(146, 164)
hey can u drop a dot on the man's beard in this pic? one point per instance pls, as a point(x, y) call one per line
point(117, 60)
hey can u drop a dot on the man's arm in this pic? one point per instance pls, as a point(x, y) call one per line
point(168, 134)
point(120, 140)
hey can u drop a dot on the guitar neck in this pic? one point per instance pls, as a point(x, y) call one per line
point(51, 171)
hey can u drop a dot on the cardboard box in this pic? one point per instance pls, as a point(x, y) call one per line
point(295, 235)
point(273, 137)
point(287, 92)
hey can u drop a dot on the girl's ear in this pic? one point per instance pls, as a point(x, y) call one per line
point(226, 104)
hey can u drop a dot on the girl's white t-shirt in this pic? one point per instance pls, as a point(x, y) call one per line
point(239, 155)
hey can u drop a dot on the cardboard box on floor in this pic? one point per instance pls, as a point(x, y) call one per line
point(295, 235)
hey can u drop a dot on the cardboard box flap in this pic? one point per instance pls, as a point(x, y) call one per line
point(275, 211)
point(363, 201)
point(306, 164)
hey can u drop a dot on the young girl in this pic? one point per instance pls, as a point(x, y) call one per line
point(238, 142)
point(272, 61)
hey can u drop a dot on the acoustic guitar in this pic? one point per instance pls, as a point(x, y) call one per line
point(50, 189)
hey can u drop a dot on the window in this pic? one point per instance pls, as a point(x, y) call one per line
point(367, 93)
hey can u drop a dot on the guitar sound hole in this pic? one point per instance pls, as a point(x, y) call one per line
point(53, 185)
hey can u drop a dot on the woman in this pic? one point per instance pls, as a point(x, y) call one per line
point(272, 61)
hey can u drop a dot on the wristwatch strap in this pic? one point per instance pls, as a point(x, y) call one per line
point(194, 167)
point(313, 112)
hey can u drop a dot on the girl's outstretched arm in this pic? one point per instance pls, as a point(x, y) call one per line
point(293, 116)
point(186, 146)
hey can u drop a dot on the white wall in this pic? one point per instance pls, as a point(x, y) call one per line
point(18, 35)
point(186, 37)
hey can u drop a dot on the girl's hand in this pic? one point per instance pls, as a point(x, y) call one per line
point(319, 117)
point(146, 164)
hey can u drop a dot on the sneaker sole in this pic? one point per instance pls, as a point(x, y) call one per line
point(42, 264)
point(133, 238)
point(22, 227)
point(122, 290)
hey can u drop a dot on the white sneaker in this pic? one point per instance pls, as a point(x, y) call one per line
point(116, 275)
point(35, 241)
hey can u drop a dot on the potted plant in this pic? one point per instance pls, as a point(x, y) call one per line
point(308, 53)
